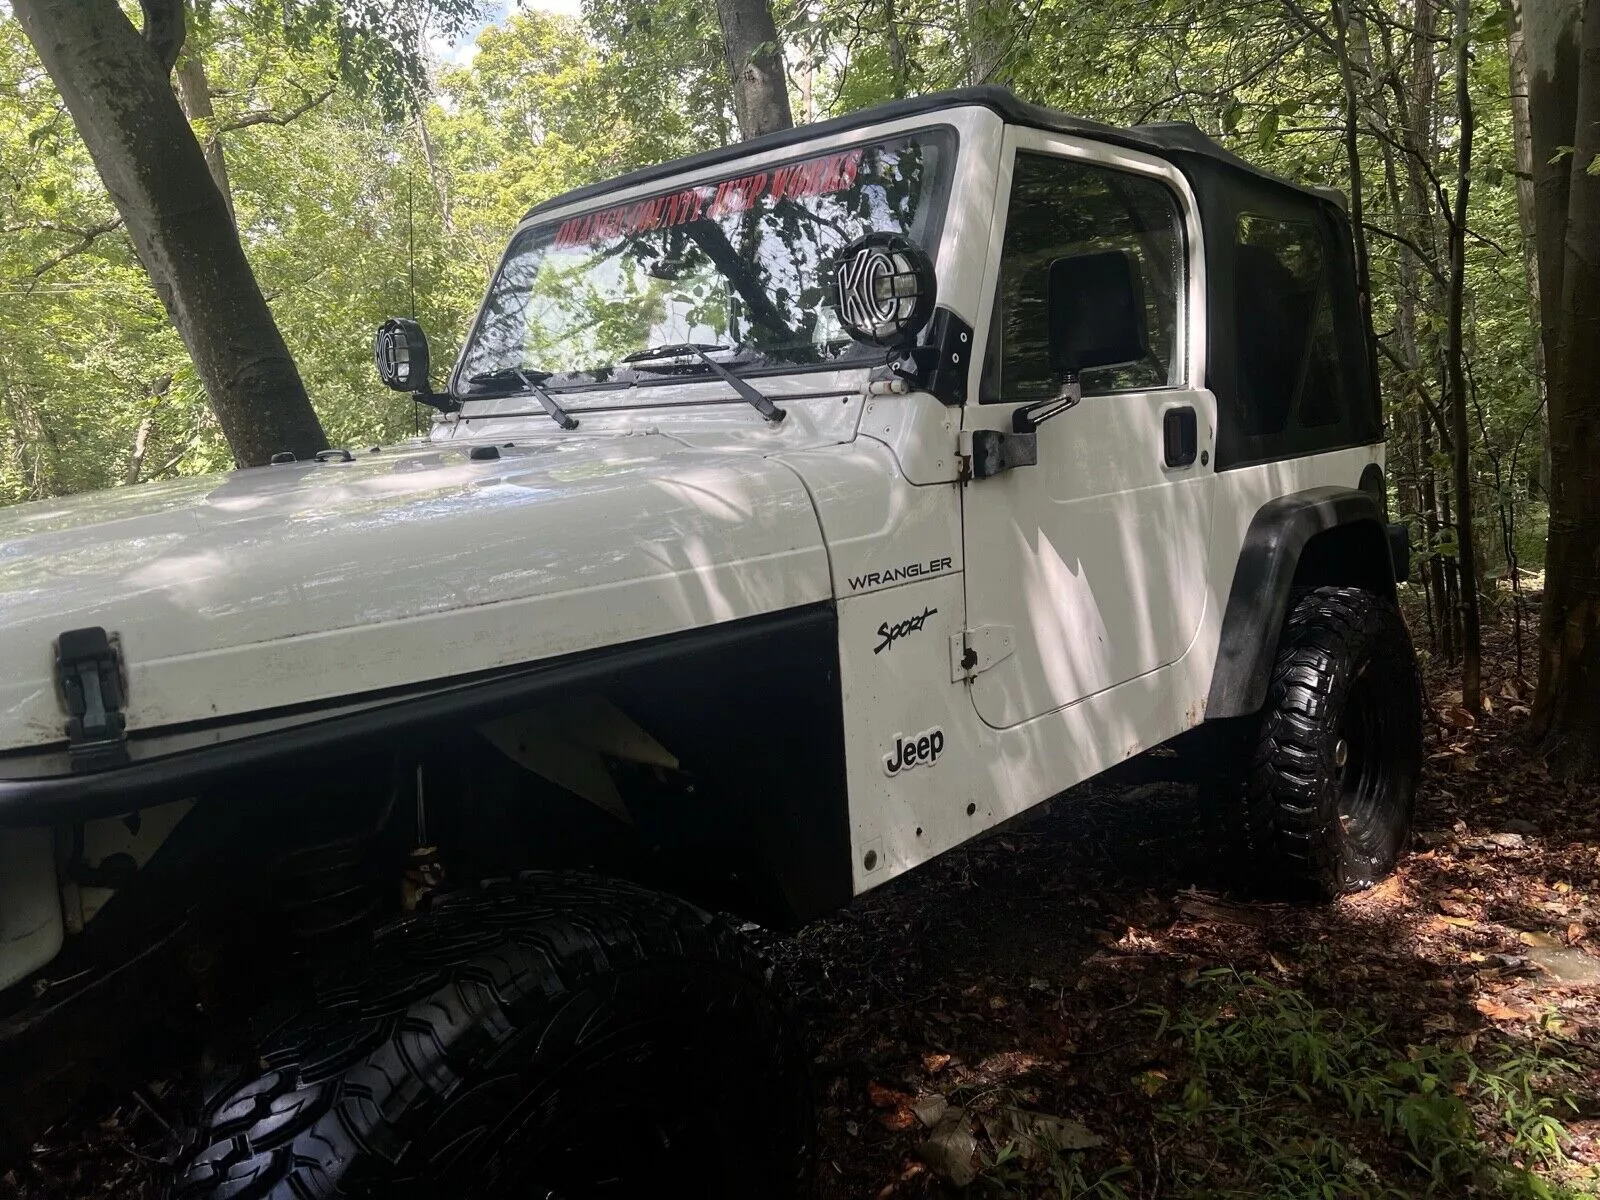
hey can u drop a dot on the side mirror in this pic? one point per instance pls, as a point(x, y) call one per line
point(883, 288)
point(400, 351)
point(1096, 312)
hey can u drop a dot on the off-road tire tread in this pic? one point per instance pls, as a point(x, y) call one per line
point(1286, 830)
point(437, 993)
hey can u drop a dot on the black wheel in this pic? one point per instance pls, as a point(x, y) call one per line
point(1332, 773)
point(556, 1036)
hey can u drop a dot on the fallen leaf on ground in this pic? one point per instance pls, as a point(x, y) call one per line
point(1225, 914)
point(1496, 1011)
point(930, 1109)
point(884, 1097)
point(950, 1147)
point(1037, 1133)
point(898, 1120)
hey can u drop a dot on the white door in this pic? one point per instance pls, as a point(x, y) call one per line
point(1090, 565)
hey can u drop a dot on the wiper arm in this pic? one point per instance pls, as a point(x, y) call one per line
point(701, 350)
point(532, 381)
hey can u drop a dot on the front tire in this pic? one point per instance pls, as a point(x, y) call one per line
point(555, 1036)
point(1332, 775)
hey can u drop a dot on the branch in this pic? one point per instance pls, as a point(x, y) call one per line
point(1428, 265)
point(1408, 373)
point(86, 238)
point(269, 117)
point(1311, 27)
point(163, 29)
point(1488, 241)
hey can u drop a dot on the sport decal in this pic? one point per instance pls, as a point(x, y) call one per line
point(728, 197)
point(910, 571)
point(893, 633)
point(921, 750)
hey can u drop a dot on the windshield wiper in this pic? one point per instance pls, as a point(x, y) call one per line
point(702, 351)
point(532, 381)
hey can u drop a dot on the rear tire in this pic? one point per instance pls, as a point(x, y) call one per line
point(1332, 773)
point(558, 1035)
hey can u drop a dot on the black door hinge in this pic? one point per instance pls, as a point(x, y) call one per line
point(89, 673)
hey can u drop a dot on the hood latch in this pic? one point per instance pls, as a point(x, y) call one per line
point(89, 674)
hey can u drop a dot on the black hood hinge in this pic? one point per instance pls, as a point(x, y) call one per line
point(89, 674)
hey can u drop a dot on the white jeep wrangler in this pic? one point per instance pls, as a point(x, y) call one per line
point(794, 513)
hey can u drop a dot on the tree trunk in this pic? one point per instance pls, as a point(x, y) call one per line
point(194, 91)
point(985, 48)
point(1522, 146)
point(1566, 711)
point(117, 86)
point(1471, 644)
point(1352, 150)
point(897, 49)
point(755, 66)
point(1550, 37)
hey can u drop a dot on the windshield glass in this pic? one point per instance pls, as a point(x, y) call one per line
point(738, 262)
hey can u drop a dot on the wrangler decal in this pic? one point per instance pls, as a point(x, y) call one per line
point(895, 574)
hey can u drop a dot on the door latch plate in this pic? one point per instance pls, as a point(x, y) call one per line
point(973, 651)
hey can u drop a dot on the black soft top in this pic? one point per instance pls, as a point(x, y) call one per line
point(1179, 141)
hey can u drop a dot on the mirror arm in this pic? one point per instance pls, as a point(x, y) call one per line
point(1030, 417)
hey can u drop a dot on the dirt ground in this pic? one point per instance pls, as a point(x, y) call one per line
point(1079, 1006)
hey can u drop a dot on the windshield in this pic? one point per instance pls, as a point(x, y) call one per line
point(737, 263)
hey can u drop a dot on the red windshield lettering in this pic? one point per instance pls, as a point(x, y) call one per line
point(793, 181)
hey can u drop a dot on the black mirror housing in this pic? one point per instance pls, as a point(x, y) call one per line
point(400, 352)
point(1096, 312)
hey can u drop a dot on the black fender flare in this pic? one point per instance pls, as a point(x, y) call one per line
point(1269, 564)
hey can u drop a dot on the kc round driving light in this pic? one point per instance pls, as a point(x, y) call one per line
point(400, 352)
point(883, 289)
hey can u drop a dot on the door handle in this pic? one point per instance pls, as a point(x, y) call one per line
point(1180, 437)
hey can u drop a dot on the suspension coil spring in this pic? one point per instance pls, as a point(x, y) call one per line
point(334, 886)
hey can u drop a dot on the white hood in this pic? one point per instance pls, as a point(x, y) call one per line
point(285, 585)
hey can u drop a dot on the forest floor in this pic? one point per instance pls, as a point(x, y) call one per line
point(1076, 1006)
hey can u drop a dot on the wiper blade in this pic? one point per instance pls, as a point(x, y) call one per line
point(702, 351)
point(675, 350)
point(532, 382)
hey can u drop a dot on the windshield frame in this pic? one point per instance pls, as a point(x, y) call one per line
point(794, 151)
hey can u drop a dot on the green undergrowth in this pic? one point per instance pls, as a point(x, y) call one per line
point(1274, 1097)
point(1259, 1094)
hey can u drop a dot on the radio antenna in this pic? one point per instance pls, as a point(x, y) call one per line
point(411, 282)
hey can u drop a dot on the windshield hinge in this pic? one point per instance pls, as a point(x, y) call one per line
point(973, 651)
point(89, 674)
point(938, 366)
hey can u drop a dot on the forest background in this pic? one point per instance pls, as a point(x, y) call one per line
point(360, 194)
point(374, 156)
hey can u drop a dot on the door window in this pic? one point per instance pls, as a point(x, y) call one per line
point(1289, 368)
point(1061, 208)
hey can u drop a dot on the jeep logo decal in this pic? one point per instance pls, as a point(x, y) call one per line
point(920, 750)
